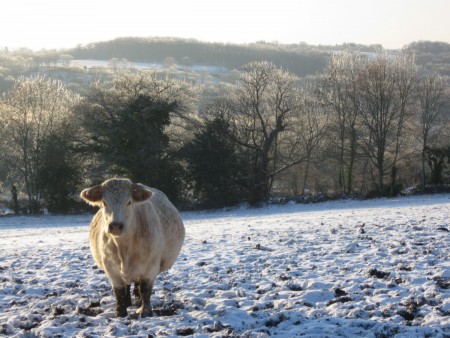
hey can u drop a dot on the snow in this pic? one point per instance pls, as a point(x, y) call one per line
point(375, 268)
point(93, 63)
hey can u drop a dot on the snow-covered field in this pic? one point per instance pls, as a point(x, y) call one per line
point(377, 268)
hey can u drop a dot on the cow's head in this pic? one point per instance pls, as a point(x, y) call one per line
point(116, 198)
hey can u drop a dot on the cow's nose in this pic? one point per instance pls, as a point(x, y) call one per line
point(115, 227)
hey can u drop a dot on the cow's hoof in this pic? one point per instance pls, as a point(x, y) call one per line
point(144, 312)
point(121, 313)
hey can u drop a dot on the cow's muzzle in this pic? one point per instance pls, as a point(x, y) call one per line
point(115, 228)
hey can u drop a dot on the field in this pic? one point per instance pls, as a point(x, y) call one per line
point(376, 268)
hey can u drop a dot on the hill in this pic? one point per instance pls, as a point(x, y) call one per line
point(195, 57)
point(301, 61)
point(429, 53)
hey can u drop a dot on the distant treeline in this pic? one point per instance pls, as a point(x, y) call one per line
point(431, 54)
point(301, 59)
point(190, 52)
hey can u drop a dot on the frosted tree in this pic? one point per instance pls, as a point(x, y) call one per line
point(266, 101)
point(33, 109)
point(338, 91)
point(386, 85)
point(434, 98)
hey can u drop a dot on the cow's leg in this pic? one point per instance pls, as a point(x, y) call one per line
point(122, 298)
point(128, 300)
point(145, 290)
point(137, 293)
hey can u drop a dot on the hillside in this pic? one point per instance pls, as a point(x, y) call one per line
point(435, 54)
point(194, 57)
point(301, 59)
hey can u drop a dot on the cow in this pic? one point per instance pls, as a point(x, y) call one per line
point(136, 234)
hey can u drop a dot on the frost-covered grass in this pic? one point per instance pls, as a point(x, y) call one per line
point(377, 268)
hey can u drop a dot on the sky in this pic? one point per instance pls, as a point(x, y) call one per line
point(57, 24)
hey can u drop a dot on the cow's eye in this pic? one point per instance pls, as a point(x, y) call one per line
point(129, 203)
point(104, 204)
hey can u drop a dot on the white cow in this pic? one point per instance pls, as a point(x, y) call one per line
point(136, 234)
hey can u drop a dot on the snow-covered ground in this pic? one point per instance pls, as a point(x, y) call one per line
point(91, 63)
point(377, 268)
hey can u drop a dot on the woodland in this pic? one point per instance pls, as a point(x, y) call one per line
point(216, 125)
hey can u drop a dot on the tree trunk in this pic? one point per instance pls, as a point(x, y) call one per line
point(351, 163)
point(305, 178)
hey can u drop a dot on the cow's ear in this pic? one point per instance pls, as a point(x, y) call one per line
point(92, 195)
point(140, 193)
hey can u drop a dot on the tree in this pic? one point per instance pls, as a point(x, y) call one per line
point(169, 62)
point(15, 200)
point(59, 171)
point(118, 64)
point(215, 165)
point(338, 91)
point(433, 97)
point(264, 102)
point(437, 158)
point(386, 83)
point(311, 132)
point(126, 127)
point(32, 110)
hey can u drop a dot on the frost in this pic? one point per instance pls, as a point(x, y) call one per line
point(375, 268)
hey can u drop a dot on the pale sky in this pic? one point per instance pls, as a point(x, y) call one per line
point(48, 24)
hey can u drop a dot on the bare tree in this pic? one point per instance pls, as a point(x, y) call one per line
point(266, 100)
point(433, 96)
point(118, 64)
point(302, 139)
point(338, 91)
point(387, 83)
point(312, 129)
point(30, 112)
